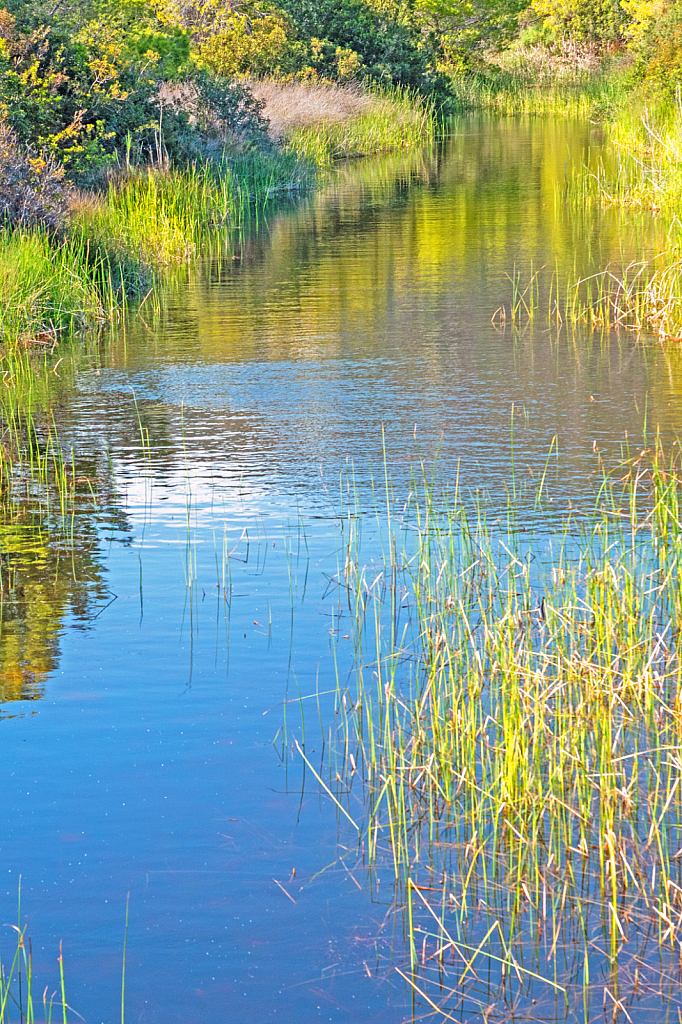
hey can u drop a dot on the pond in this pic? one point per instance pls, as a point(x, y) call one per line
point(157, 678)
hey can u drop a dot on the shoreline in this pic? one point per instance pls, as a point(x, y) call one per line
point(113, 245)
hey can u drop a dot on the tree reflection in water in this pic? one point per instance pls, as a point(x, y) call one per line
point(50, 565)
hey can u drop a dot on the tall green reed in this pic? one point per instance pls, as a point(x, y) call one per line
point(511, 738)
point(396, 120)
point(49, 286)
point(511, 92)
point(645, 141)
point(641, 170)
point(17, 980)
point(156, 217)
point(116, 247)
point(643, 295)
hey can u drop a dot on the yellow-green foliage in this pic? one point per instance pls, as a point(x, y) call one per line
point(349, 64)
point(641, 15)
point(97, 79)
point(584, 20)
point(660, 50)
point(69, 96)
point(265, 46)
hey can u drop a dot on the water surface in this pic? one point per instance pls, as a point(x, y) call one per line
point(146, 739)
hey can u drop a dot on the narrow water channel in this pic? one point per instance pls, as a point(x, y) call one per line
point(155, 681)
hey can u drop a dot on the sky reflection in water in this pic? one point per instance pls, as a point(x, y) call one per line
point(138, 731)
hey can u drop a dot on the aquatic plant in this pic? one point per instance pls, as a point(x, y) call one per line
point(511, 91)
point(17, 980)
point(646, 174)
point(644, 295)
point(642, 171)
point(509, 743)
point(48, 286)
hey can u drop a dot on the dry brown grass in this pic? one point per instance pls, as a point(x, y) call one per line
point(564, 63)
point(292, 105)
point(82, 203)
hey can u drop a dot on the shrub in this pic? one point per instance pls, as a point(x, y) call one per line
point(589, 21)
point(32, 189)
point(81, 94)
point(204, 112)
point(660, 51)
point(349, 66)
point(385, 50)
point(265, 47)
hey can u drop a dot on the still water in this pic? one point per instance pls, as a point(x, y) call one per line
point(154, 680)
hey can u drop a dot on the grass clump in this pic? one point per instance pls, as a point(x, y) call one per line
point(156, 218)
point(48, 286)
point(511, 744)
point(322, 121)
point(18, 999)
point(509, 89)
point(112, 248)
point(644, 295)
point(647, 173)
point(151, 218)
point(641, 169)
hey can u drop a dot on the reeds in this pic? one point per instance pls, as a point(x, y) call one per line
point(154, 218)
point(17, 1000)
point(48, 286)
point(321, 122)
point(642, 170)
point(645, 295)
point(646, 172)
point(17, 980)
point(509, 92)
point(33, 460)
point(511, 741)
point(115, 247)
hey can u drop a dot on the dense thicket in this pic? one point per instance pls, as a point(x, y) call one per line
point(89, 83)
point(85, 84)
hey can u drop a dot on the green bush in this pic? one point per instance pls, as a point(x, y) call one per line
point(387, 52)
point(82, 92)
point(660, 51)
point(266, 46)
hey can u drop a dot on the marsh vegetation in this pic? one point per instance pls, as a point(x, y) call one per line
point(493, 657)
point(508, 739)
